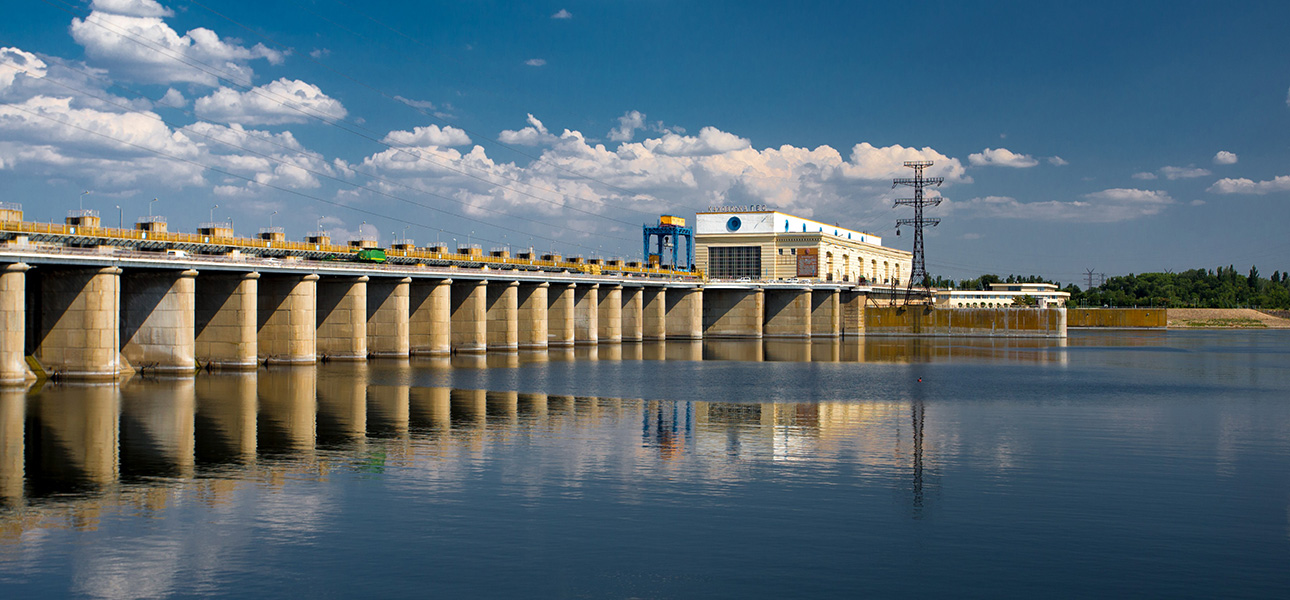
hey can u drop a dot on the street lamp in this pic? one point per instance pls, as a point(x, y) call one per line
point(150, 206)
point(271, 219)
point(213, 213)
point(83, 199)
point(120, 217)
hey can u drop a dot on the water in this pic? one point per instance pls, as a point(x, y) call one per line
point(1119, 463)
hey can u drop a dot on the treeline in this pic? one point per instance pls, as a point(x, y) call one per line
point(1196, 288)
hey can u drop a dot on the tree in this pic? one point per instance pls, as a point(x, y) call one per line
point(1025, 300)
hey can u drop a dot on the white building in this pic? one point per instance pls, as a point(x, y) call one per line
point(1002, 295)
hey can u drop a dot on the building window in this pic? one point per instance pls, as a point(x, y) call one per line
point(734, 261)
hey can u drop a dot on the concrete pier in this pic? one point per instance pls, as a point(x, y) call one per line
point(633, 317)
point(533, 319)
point(684, 313)
point(733, 313)
point(654, 314)
point(503, 315)
point(13, 324)
point(609, 315)
point(287, 326)
point(788, 314)
point(826, 313)
point(430, 317)
point(225, 320)
point(853, 304)
point(560, 310)
point(387, 317)
point(586, 314)
point(158, 320)
point(78, 335)
point(469, 317)
point(341, 314)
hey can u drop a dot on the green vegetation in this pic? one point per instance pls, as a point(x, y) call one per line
point(1196, 288)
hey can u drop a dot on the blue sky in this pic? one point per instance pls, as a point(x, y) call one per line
point(1123, 137)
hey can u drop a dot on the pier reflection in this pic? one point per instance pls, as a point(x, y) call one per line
point(75, 453)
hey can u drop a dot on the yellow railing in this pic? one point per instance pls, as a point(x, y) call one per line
point(239, 242)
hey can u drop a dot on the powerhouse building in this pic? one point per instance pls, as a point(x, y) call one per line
point(763, 244)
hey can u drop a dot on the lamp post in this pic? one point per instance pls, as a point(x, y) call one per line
point(120, 217)
point(212, 221)
point(82, 198)
point(150, 206)
point(271, 219)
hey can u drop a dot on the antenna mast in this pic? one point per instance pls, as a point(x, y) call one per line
point(918, 274)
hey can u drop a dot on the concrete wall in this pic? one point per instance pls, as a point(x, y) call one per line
point(13, 324)
point(158, 320)
point(1117, 317)
point(285, 312)
point(733, 313)
point(534, 325)
point(1004, 322)
point(469, 316)
point(430, 317)
point(788, 314)
point(225, 320)
point(388, 317)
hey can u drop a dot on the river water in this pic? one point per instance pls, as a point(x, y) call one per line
point(1115, 463)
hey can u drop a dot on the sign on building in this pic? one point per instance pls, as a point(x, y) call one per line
point(808, 262)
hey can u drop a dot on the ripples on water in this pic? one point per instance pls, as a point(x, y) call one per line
point(1152, 463)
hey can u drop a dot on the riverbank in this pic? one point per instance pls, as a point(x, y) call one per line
point(1223, 318)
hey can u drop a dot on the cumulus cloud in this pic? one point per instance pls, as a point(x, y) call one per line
point(173, 99)
point(137, 44)
point(1225, 158)
point(319, 53)
point(1248, 186)
point(535, 62)
point(18, 63)
point(1189, 172)
point(562, 14)
point(1106, 206)
point(627, 126)
point(532, 135)
point(1144, 175)
point(1001, 157)
point(710, 141)
point(430, 135)
point(275, 103)
point(1057, 161)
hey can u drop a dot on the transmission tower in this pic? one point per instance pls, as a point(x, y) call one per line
point(918, 274)
point(1088, 275)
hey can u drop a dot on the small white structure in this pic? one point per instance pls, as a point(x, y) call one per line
point(1002, 295)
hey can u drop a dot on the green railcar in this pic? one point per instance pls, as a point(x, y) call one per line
point(370, 255)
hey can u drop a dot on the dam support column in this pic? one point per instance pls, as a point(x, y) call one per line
point(633, 317)
point(609, 315)
point(654, 313)
point(826, 313)
point(78, 312)
point(533, 319)
point(13, 325)
point(430, 317)
point(158, 320)
point(503, 315)
point(853, 302)
point(342, 318)
point(387, 317)
point(560, 330)
point(733, 313)
point(225, 321)
point(469, 317)
point(286, 313)
point(684, 313)
point(586, 321)
point(788, 313)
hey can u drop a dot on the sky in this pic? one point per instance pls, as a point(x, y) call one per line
point(1118, 137)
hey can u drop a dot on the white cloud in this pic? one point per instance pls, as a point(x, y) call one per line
point(132, 8)
point(275, 103)
point(1247, 186)
point(173, 99)
point(19, 63)
point(1001, 157)
point(421, 104)
point(869, 162)
point(1057, 161)
point(430, 135)
point(562, 14)
point(1106, 206)
point(1225, 158)
point(535, 62)
point(532, 135)
point(319, 53)
point(710, 141)
point(1188, 172)
point(1144, 175)
point(1197, 202)
point(145, 48)
point(627, 126)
